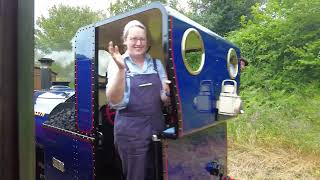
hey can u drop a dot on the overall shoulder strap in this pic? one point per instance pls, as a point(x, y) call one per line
point(127, 68)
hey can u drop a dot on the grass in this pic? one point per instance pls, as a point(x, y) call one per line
point(273, 162)
point(278, 137)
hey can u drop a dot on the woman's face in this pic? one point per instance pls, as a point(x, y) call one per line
point(136, 42)
point(242, 65)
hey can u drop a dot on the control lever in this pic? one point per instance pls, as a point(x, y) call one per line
point(157, 158)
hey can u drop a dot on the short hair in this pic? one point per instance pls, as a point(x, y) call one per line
point(245, 61)
point(131, 24)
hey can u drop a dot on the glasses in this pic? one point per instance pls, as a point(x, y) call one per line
point(135, 40)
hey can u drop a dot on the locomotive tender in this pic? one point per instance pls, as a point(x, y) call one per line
point(74, 128)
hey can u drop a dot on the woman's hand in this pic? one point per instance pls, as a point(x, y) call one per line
point(117, 57)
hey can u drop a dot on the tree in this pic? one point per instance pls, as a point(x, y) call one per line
point(221, 16)
point(122, 6)
point(55, 32)
point(65, 73)
point(282, 43)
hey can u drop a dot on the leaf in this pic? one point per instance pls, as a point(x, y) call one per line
point(54, 33)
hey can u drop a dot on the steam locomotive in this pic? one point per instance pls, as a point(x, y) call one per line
point(74, 127)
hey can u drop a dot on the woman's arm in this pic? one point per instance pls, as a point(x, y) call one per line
point(116, 84)
point(165, 92)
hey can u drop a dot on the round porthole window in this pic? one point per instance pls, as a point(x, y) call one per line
point(192, 50)
point(232, 63)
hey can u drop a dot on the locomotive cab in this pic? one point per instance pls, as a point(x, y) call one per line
point(203, 70)
point(111, 30)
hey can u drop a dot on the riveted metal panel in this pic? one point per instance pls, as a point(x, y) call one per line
point(84, 78)
point(198, 106)
point(187, 157)
point(75, 161)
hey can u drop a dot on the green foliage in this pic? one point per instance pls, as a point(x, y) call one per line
point(286, 120)
point(221, 16)
point(283, 54)
point(55, 32)
point(194, 59)
point(65, 73)
point(280, 88)
point(123, 6)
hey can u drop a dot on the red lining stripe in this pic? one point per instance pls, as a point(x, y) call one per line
point(80, 139)
point(87, 132)
point(175, 73)
point(76, 92)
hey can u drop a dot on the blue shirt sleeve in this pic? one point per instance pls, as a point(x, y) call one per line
point(123, 103)
point(112, 68)
point(161, 71)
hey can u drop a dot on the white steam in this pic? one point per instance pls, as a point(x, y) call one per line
point(62, 57)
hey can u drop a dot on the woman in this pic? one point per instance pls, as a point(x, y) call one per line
point(136, 88)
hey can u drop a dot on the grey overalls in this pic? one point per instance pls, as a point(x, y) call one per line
point(135, 124)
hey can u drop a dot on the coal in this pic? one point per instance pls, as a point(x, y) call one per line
point(63, 117)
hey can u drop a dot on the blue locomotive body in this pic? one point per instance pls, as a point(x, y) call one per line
point(74, 128)
point(212, 74)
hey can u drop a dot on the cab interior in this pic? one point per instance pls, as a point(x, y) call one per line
point(108, 162)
